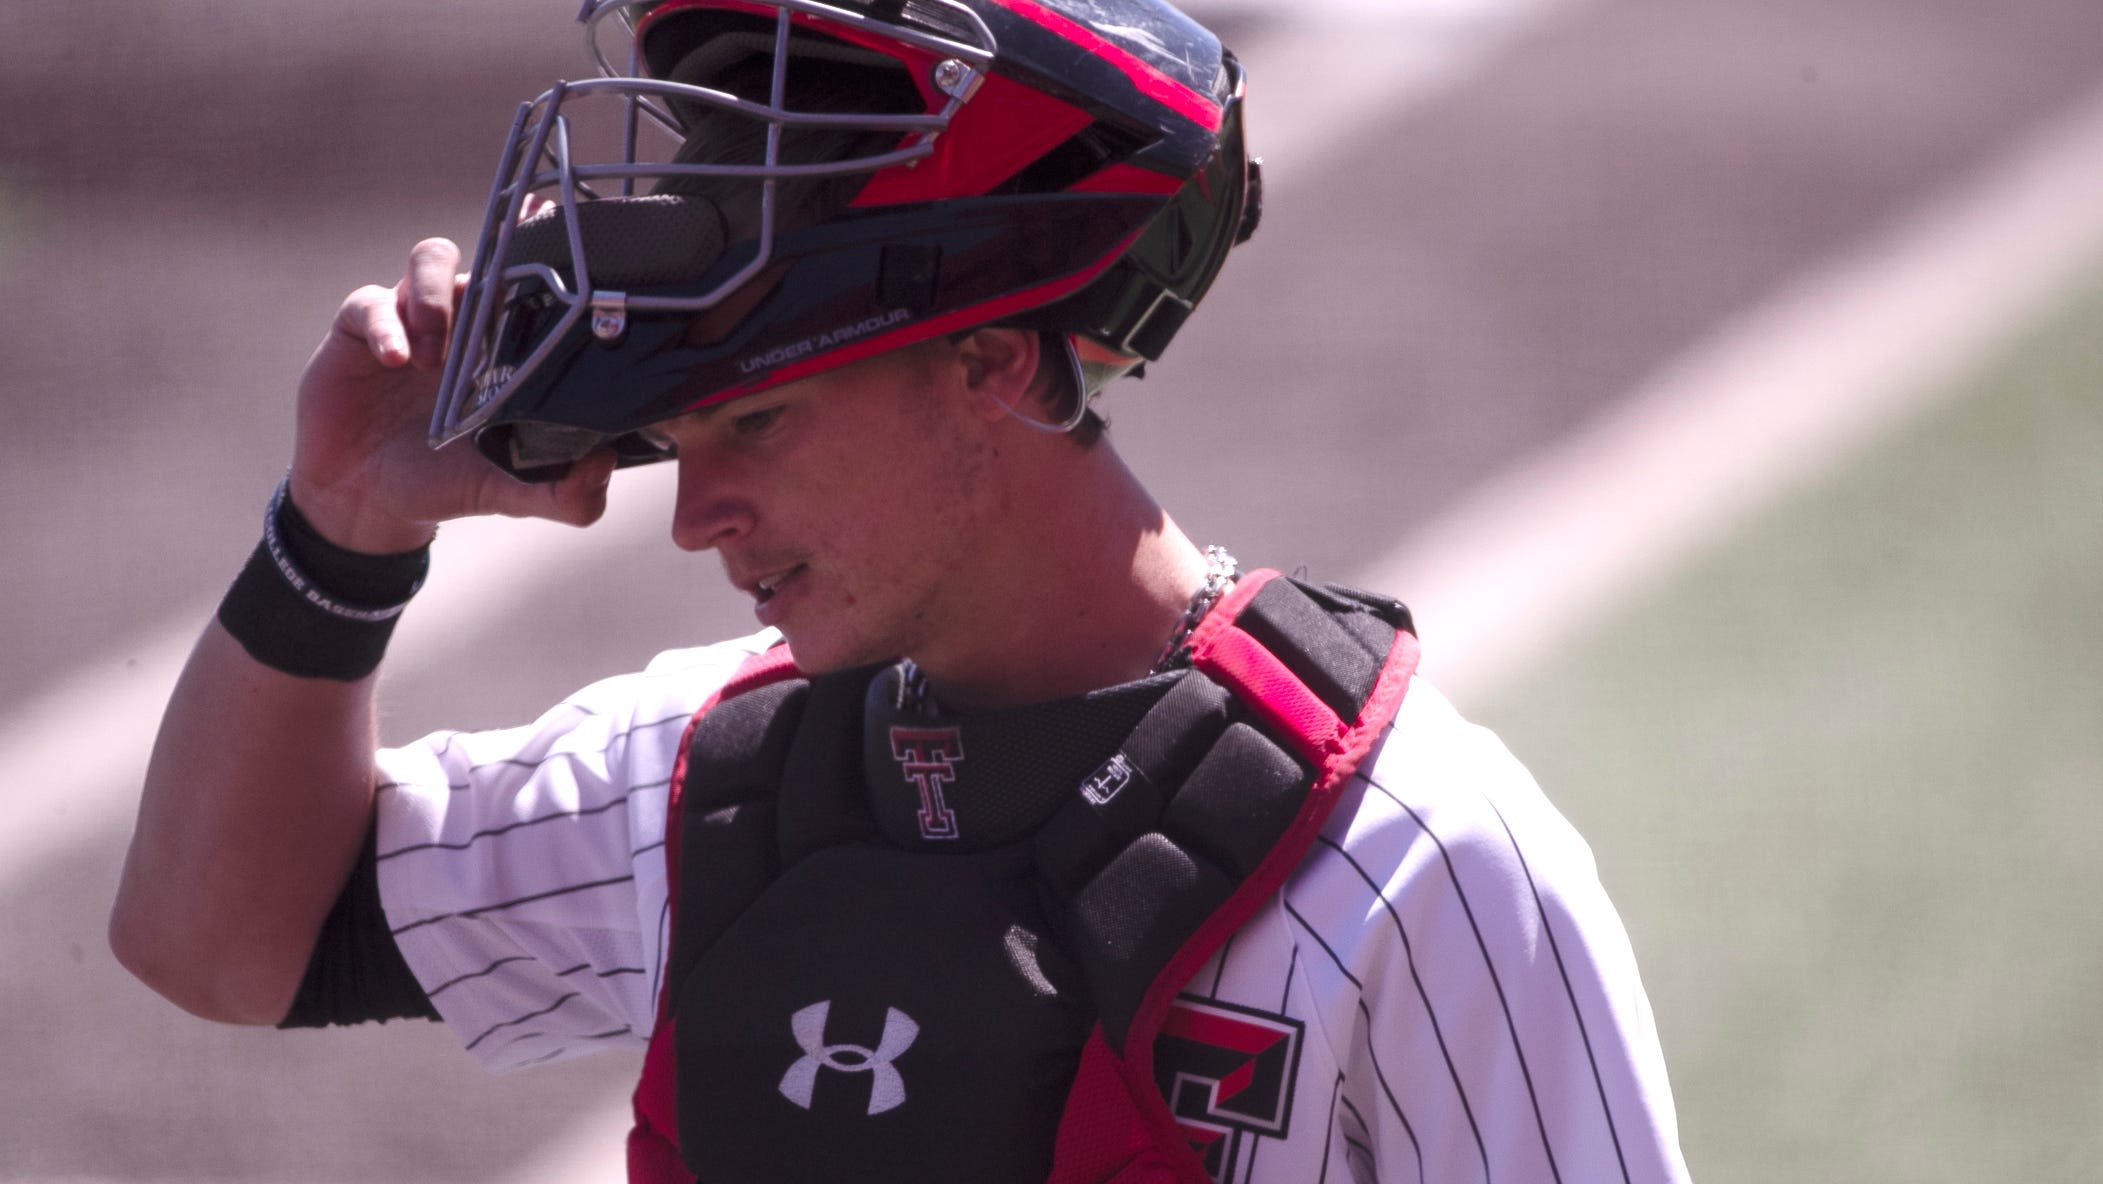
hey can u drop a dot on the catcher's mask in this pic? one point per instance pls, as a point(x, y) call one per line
point(794, 185)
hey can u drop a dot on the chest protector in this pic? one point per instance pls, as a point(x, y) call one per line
point(910, 947)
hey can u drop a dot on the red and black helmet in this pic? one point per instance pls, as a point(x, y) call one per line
point(793, 185)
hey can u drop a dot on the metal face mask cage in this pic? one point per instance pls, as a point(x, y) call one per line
point(532, 286)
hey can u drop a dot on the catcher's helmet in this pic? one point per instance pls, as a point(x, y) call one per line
point(837, 179)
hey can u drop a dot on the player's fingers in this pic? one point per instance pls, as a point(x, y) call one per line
point(371, 316)
point(427, 298)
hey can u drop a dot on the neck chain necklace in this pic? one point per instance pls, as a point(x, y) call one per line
point(1220, 573)
point(1221, 570)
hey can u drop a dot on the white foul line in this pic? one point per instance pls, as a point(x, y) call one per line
point(1771, 400)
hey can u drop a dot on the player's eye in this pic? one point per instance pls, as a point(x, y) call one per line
point(753, 423)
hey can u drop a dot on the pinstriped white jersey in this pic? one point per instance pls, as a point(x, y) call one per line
point(1441, 992)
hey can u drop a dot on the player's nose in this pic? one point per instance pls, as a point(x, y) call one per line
point(710, 508)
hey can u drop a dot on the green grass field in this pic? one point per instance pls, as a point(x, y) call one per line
point(1844, 776)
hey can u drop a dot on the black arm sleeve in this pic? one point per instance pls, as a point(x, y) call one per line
point(356, 975)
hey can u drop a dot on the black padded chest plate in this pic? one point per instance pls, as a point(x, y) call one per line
point(880, 1014)
point(871, 979)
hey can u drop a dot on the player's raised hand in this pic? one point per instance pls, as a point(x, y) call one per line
point(362, 470)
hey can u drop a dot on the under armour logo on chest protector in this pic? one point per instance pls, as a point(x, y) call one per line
point(886, 1085)
point(927, 757)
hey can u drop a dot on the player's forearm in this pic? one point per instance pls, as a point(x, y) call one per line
point(257, 798)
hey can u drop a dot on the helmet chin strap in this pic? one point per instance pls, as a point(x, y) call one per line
point(1080, 396)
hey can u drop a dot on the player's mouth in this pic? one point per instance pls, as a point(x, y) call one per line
point(767, 592)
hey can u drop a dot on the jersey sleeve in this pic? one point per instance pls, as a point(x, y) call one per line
point(1481, 996)
point(522, 870)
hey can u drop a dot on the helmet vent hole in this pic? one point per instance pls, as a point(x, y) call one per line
point(1086, 152)
point(909, 277)
point(630, 241)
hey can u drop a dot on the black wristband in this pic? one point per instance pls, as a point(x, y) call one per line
point(310, 608)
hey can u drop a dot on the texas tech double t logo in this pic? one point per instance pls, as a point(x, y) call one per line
point(927, 757)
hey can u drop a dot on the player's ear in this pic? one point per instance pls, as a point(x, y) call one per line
point(1001, 365)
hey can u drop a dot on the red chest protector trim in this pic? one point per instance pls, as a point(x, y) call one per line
point(1319, 673)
